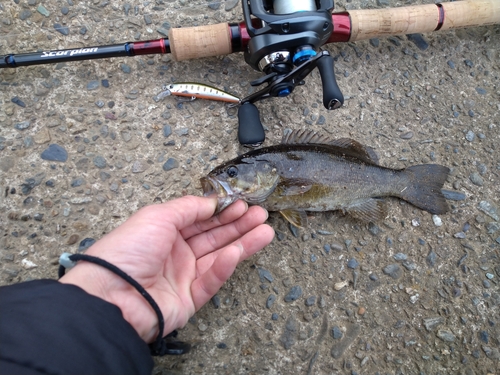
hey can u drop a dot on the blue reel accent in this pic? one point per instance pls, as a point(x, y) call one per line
point(284, 92)
point(303, 55)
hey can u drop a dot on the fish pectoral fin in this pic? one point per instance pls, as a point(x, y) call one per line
point(295, 217)
point(370, 210)
point(294, 186)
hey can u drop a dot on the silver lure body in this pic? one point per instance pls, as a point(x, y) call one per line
point(194, 90)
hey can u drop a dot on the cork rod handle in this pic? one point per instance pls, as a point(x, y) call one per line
point(201, 41)
point(374, 23)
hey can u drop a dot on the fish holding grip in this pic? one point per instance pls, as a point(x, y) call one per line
point(285, 38)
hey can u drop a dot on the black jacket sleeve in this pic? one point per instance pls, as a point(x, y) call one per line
point(51, 328)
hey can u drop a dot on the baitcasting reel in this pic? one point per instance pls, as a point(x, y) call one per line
point(285, 36)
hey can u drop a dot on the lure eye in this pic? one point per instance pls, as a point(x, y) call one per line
point(232, 171)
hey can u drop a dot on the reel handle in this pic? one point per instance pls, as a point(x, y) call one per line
point(332, 96)
point(250, 129)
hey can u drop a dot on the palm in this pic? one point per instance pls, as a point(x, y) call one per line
point(173, 250)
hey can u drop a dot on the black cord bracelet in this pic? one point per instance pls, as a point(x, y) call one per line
point(161, 346)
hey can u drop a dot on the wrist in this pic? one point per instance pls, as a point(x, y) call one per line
point(104, 284)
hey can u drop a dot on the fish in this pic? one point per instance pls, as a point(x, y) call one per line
point(196, 91)
point(308, 171)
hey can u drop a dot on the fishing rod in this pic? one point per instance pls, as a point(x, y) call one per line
point(282, 39)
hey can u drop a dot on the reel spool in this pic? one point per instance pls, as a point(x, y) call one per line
point(287, 7)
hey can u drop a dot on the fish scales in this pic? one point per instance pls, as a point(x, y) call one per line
point(336, 180)
point(309, 172)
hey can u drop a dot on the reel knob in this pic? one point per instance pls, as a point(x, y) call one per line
point(332, 96)
point(250, 129)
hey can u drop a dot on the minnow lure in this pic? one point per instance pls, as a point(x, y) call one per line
point(196, 91)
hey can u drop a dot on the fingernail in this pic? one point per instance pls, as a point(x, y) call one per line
point(246, 206)
point(240, 246)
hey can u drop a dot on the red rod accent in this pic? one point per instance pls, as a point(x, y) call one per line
point(341, 28)
point(245, 37)
point(441, 17)
point(149, 47)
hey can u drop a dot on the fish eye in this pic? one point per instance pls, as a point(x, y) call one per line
point(232, 171)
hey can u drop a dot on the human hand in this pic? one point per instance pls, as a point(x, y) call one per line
point(178, 252)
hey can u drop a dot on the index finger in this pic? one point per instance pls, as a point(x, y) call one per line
point(182, 212)
point(230, 214)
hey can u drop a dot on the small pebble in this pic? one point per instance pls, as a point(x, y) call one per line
point(125, 68)
point(171, 163)
point(327, 248)
point(216, 301)
point(25, 14)
point(400, 256)
point(18, 101)
point(294, 293)
point(100, 162)
point(62, 29)
point(167, 130)
point(310, 300)
point(92, 85)
point(43, 11)
point(446, 335)
point(470, 136)
point(85, 244)
point(419, 41)
point(337, 332)
point(393, 270)
point(431, 258)
point(437, 220)
point(22, 125)
point(54, 153)
point(453, 195)
point(352, 263)
point(340, 285)
point(270, 300)
point(375, 42)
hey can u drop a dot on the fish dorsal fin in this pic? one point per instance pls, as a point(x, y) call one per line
point(295, 217)
point(345, 146)
point(304, 136)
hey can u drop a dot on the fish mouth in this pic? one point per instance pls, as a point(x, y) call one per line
point(225, 195)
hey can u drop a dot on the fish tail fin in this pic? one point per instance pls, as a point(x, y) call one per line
point(424, 187)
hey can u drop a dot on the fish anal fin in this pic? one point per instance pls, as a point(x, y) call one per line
point(295, 217)
point(369, 210)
